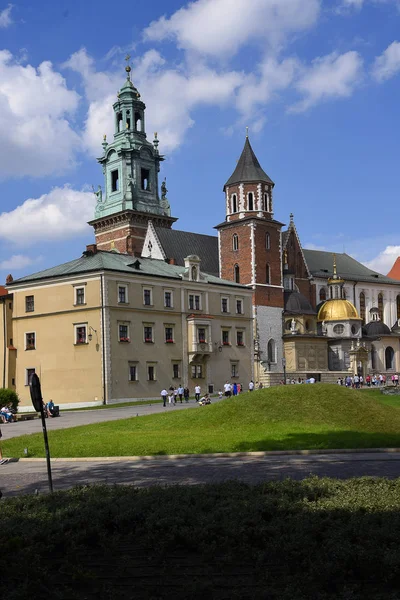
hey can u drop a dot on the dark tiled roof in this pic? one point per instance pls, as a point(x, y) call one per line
point(297, 304)
point(285, 235)
point(180, 244)
point(248, 168)
point(320, 264)
point(124, 263)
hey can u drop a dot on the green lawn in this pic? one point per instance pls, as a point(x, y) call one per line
point(279, 418)
point(318, 539)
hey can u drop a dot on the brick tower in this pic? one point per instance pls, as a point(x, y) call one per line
point(130, 166)
point(250, 253)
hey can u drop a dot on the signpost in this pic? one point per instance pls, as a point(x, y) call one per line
point(37, 401)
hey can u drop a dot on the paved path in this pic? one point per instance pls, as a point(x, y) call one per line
point(87, 417)
point(26, 476)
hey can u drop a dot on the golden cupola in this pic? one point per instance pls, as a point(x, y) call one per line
point(337, 308)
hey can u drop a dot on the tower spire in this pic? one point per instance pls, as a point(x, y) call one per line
point(128, 68)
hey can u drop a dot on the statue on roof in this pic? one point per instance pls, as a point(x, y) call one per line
point(164, 201)
point(98, 194)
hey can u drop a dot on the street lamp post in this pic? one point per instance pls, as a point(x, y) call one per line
point(284, 369)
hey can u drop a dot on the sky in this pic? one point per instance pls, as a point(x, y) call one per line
point(317, 83)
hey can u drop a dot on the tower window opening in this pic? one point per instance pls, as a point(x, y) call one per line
point(267, 274)
point(250, 201)
point(266, 207)
point(119, 122)
point(138, 121)
point(267, 241)
point(115, 181)
point(235, 242)
point(146, 180)
point(234, 203)
point(236, 273)
point(128, 119)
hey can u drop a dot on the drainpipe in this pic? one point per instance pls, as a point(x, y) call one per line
point(102, 338)
point(5, 343)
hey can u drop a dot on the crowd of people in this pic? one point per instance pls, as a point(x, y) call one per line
point(358, 381)
point(179, 394)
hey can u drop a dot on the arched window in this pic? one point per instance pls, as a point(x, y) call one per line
point(362, 307)
point(236, 273)
point(380, 306)
point(138, 121)
point(234, 203)
point(344, 293)
point(322, 295)
point(119, 122)
point(389, 358)
point(250, 201)
point(271, 354)
point(373, 359)
point(398, 306)
point(235, 242)
point(267, 274)
point(267, 241)
point(266, 207)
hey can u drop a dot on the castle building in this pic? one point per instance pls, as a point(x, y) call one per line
point(147, 305)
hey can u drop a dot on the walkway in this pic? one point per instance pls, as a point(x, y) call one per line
point(26, 476)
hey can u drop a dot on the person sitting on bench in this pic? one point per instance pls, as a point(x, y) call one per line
point(51, 409)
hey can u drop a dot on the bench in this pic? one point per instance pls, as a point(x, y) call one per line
point(26, 417)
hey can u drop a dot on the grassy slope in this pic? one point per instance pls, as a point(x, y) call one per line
point(285, 417)
point(315, 539)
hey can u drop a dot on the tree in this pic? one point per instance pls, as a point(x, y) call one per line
point(8, 396)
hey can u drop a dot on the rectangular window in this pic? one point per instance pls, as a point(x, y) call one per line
point(123, 333)
point(240, 338)
point(80, 295)
point(175, 371)
point(148, 334)
point(29, 303)
point(168, 299)
point(201, 333)
point(28, 375)
point(239, 307)
point(30, 341)
point(224, 305)
point(197, 371)
point(147, 297)
point(169, 335)
point(194, 302)
point(122, 294)
point(234, 370)
point(80, 334)
point(151, 373)
point(114, 181)
point(133, 373)
point(225, 337)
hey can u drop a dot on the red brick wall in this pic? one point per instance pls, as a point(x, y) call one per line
point(247, 188)
point(297, 266)
point(127, 240)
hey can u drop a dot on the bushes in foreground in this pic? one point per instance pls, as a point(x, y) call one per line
point(9, 397)
point(289, 540)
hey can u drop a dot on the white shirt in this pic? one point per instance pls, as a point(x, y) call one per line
point(251, 385)
point(197, 389)
point(164, 393)
point(227, 387)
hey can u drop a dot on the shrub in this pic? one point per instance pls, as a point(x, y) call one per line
point(8, 396)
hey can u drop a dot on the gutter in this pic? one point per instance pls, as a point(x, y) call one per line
point(102, 339)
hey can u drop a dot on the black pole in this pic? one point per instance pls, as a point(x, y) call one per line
point(47, 449)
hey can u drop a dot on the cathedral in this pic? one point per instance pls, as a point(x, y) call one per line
point(147, 305)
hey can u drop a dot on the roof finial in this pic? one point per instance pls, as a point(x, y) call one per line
point(128, 68)
point(247, 132)
point(334, 265)
point(291, 216)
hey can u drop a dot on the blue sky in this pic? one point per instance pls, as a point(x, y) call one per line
point(316, 82)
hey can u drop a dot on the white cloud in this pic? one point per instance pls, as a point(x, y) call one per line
point(384, 261)
point(60, 214)
point(36, 136)
point(221, 27)
point(18, 261)
point(331, 76)
point(5, 17)
point(388, 63)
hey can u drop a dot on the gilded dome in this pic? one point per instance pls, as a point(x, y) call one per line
point(337, 310)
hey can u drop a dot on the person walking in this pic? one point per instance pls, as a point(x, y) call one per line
point(197, 392)
point(175, 395)
point(251, 386)
point(235, 390)
point(227, 389)
point(186, 394)
point(180, 392)
point(164, 395)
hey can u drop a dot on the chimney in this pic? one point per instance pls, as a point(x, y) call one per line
point(9, 279)
point(171, 261)
point(92, 248)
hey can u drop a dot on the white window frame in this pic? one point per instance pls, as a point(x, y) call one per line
point(169, 326)
point(235, 369)
point(76, 288)
point(76, 325)
point(122, 285)
point(194, 301)
point(148, 289)
point(154, 365)
point(26, 373)
point(196, 367)
point(26, 340)
point(243, 332)
point(178, 364)
point(127, 325)
point(242, 306)
point(172, 299)
point(133, 363)
point(227, 311)
point(228, 331)
point(152, 333)
point(33, 303)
